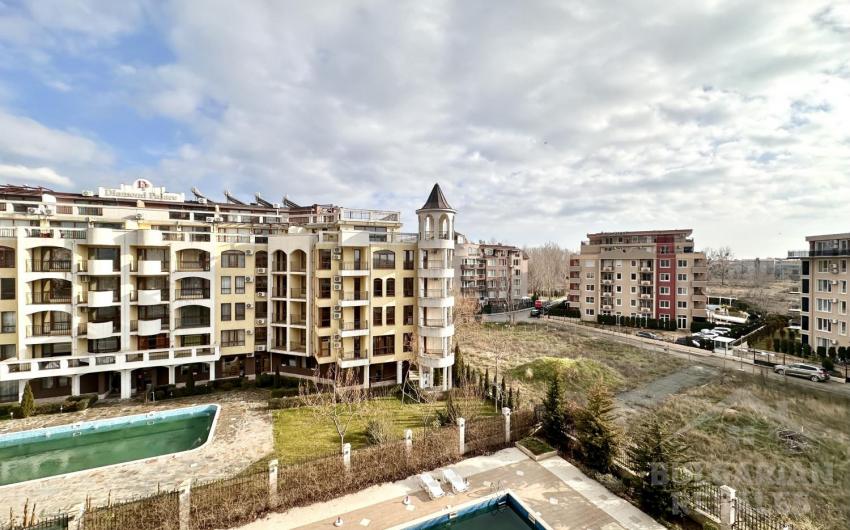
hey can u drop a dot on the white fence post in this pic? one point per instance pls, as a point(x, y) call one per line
point(78, 518)
point(727, 507)
point(273, 483)
point(461, 435)
point(506, 413)
point(185, 504)
point(346, 457)
point(408, 442)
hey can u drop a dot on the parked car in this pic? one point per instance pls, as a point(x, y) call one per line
point(648, 335)
point(535, 313)
point(809, 371)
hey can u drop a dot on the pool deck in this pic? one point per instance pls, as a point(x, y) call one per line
point(557, 491)
point(243, 434)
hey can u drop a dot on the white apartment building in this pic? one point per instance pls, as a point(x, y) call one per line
point(122, 289)
point(491, 272)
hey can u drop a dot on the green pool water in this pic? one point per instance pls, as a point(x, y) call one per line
point(95, 444)
point(492, 518)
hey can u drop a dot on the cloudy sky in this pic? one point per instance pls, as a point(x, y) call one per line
point(542, 120)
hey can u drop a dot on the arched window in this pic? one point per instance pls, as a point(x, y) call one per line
point(233, 259)
point(383, 259)
point(261, 260)
point(390, 287)
point(444, 227)
point(7, 258)
point(376, 288)
point(279, 261)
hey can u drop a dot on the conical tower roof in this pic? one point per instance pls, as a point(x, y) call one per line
point(436, 201)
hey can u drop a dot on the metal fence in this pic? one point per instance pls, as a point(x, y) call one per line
point(748, 517)
point(59, 522)
point(227, 502)
point(156, 512)
point(705, 497)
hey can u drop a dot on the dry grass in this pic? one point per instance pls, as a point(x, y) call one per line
point(733, 427)
point(773, 297)
point(539, 347)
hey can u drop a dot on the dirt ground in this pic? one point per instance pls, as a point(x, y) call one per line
point(773, 297)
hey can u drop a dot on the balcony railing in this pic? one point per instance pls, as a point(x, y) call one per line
point(833, 252)
point(163, 293)
point(298, 320)
point(232, 343)
point(354, 296)
point(82, 329)
point(192, 293)
point(49, 298)
point(435, 322)
point(192, 322)
point(83, 298)
point(49, 330)
point(355, 265)
point(192, 265)
point(384, 350)
point(435, 264)
point(53, 265)
point(434, 293)
point(10, 328)
point(430, 235)
point(296, 292)
point(354, 355)
point(134, 324)
point(353, 326)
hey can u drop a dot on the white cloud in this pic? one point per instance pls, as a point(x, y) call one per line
point(32, 175)
point(28, 140)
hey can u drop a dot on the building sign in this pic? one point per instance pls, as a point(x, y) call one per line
point(141, 189)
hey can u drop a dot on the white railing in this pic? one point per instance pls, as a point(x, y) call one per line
point(17, 369)
point(368, 215)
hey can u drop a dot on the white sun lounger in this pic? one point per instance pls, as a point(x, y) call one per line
point(458, 484)
point(431, 486)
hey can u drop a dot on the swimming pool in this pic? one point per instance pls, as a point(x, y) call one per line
point(500, 511)
point(52, 451)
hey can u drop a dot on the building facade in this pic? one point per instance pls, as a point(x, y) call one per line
point(823, 290)
point(491, 272)
point(124, 289)
point(653, 274)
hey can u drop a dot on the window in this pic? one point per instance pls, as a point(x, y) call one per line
point(682, 264)
point(682, 277)
point(383, 259)
point(383, 345)
point(408, 315)
point(408, 260)
point(664, 277)
point(324, 317)
point(843, 330)
point(664, 304)
point(619, 276)
point(376, 287)
point(408, 286)
point(232, 259)
point(619, 301)
point(9, 321)
point(377, 316)
point(843, 286)
point(408, 343)
point(390, 315)
point(634, 277)
point(824, 324)
point(681, 291)
point(589, 275)
point(225, 312)
point(324, 346)
point(664, 291)
point(824, 286)
point(619, 288)
point(232, 337)
point(682, 304)
point(843, 307)
point(824, 305)
point(589, 287)
point(324, 259)
point(239, 312)
point(664, 264)
point(588, 300)
point(634, 303)
point(7, 258)
point(7, 289)
point(225, 285)
point(240, 285)
point(324, 287)
point(589, 312)
point(823, 265)
point(390, 287)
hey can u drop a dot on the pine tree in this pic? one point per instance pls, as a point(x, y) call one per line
point(504, 388)
point(27, 402)
point(516, 400)
point(655, 453)
point(468, 374)
point(511, 398)
point(553, 414)
point(596, 429)
point(190, 381)
point(458, 371)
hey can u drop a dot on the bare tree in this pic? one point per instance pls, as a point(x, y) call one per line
point(548, 268)
point(343, 401)
point(719, 262)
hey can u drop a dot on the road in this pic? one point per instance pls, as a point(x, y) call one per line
point(696, 356)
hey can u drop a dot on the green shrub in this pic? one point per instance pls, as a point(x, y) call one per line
point(284, 403)
point(9, 411)
point(828, 364)
point(27, 402)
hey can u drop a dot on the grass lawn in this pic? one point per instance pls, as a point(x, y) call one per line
point(299, 434)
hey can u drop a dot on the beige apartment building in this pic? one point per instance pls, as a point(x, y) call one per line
point(121, 289)
point(491, 272)
point(823, 290)
point(653, 274)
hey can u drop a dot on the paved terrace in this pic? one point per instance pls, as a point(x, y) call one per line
point(242, 436)
point(556, 490)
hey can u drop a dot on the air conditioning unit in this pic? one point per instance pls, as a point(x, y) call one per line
point(260, 347)
point(249, 252)
point(336, 338)
point(337, 345)
point(249, 305)
point(214, 218)
point(337, 279)
point(337, 253)
point(261, 321)
point(139, 216)
point(834, 282)
point(337, 315)
point(261, 270)
point(249, 279)
point(249, 331)
point(337, 308)
point(337, 287)
point(202, 200)
point(835, 321)
point(88, 193)
point(261, 294)
point(49, 211)
point(32, 210)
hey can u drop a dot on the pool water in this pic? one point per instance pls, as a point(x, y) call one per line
point(55, 451)
point(499, 512)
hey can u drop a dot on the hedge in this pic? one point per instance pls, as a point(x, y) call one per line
point(637, 322)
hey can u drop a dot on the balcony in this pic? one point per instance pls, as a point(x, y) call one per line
point(151, 296)
point(192, 293)
point(435, 322)
point(100, 298)
point(53, 265)
point(149, 326)
point(297, 320)
point(355, 268)
point(192, 322)
point(99, 267)
point(151, 267)
point(351, 358)
point(298, 293)
point(354, 298)
point(192, 266)
point(829, 253)
point(431, 235)
point(646, 283)
point(99, 329)
point(49, 297)
point(56, 329)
